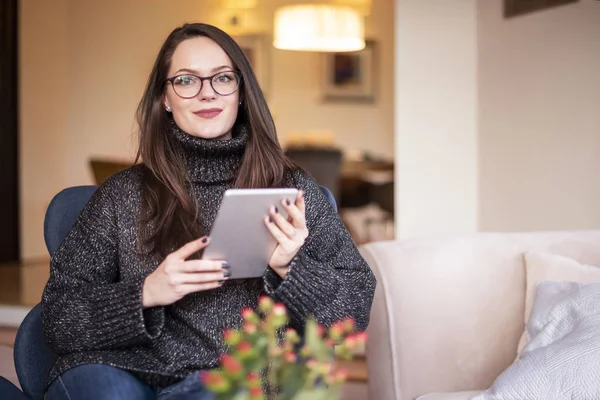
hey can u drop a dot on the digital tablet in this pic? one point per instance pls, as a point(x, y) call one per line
point(239, 235)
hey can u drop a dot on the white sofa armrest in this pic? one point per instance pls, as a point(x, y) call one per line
point(446, 316)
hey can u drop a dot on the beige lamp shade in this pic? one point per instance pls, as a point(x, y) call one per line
point(318, 27)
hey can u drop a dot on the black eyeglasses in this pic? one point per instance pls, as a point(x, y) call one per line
point(188, 86)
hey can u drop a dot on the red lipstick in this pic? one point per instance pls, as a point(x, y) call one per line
point(208, 112)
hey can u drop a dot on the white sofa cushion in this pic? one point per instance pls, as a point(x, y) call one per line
point(562, 360)
point(542, 266)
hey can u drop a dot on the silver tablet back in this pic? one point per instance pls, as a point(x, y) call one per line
point(239, 235)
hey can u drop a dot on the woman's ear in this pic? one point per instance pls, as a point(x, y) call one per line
point(166, 104)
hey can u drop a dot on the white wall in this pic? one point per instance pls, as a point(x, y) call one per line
point(539, 118)
point(90, 59)
point(497, 121)
point(436, 115)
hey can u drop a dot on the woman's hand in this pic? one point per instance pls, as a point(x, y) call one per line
point(175, 277)
point(290, 233)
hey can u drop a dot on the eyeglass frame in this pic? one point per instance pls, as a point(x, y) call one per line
point(202, 79)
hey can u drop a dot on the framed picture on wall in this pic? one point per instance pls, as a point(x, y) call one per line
point(349, 76)
point(513, 8)
point(256, 49)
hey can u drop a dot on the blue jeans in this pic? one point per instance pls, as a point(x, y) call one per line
point(103, 382)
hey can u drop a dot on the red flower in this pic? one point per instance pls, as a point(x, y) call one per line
point(292, 335)
point(356, 340)
point(211, 377)
point(265, 303)
point(290, 357)
point(231, 365)
point(336, 331)
point(248, 314)
point(349, 324)
point(232, 337)
point(351, 341)
point(279, 310)
point(256, 393)
point(250, 328)
point(253, 376)
point(320, 330)
point(361, 337)
point(253, 380)
point(244, 347)
point(214, 381)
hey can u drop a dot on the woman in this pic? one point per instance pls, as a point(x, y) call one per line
point(130, 309)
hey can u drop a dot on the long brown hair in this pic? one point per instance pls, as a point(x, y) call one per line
point(169, 214)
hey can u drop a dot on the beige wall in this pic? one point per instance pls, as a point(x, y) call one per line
point(539, 118)
point(84, 64)
point(44, 104)
point(497, 121)
point(436, 114)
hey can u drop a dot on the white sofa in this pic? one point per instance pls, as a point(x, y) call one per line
point(449, 311)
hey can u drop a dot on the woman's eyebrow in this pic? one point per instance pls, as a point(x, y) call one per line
point(195, 72)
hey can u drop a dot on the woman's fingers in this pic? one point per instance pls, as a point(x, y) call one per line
point(296, 211)
point(300, 203)
point(189, 248)
point(282, 223)
point(278, 234)
point(203, 277)
point(188, 288)
point(204, 266)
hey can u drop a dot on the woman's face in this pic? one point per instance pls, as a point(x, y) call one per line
point(210, 112)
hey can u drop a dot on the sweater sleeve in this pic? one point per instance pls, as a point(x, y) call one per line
point(328, 278)
point(85, 304)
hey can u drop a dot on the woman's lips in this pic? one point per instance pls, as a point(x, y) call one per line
point(208, 113)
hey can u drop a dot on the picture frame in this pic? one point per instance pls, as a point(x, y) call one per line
point(256, 48)
point(514, 8)
point(350, 76)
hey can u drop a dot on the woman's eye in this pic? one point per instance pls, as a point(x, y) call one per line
point(224, 78)
point(185, 80)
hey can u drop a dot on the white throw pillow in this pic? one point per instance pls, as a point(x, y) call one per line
point(552, 267)
point(562, 360)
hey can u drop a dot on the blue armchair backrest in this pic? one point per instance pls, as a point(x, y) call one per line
point(62, 213)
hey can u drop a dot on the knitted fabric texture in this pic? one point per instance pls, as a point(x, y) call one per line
point(92, 304)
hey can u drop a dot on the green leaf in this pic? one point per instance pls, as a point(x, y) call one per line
point(293, 377)
point(241, 395)
point(319, 349)
point(317, 394)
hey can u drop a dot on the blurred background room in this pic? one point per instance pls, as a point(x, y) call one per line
point(456, 116)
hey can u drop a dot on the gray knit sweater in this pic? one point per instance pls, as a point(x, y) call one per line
point(92, 304)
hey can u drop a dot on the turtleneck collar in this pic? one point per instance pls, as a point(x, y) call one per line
point(212, 160)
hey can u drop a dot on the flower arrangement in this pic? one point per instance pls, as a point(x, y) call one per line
point(262, 364)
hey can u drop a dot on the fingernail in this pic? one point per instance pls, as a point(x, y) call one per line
point(276, 209)
point(225, 266)
point(221, 282)
point(287, 201)
point(226, 274)
point(204, 240)
point(270, 219)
